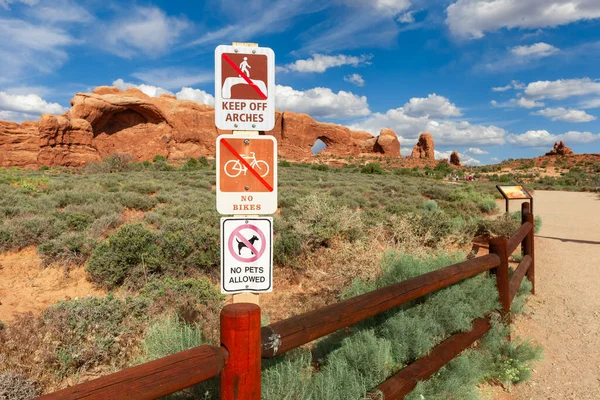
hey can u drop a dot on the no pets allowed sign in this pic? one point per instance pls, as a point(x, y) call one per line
point(246, 255)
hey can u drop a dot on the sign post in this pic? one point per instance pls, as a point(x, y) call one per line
point(246, 164)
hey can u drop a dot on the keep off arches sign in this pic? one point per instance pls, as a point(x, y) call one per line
point(246, 255)
point(244, 88)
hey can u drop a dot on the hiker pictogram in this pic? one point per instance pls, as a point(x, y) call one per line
point(237, 84)
point(233, 168)
point(244, 67)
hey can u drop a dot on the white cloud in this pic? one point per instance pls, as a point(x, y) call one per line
point(152, 91)
point(28, 48)
point(537, 50)
point(408, 127)
point(257, 18)
point(365, 24)
point(321, 102)
point(172, 78)
point(591, 103)
point(520, 102)
point(61, 11)
point(355, 79)
point(431, 106)
point(465, 159)
point(495, 159)
point(502, 88)
point(20, 107)
point(384, 7)
point(6, 3)
point(566, 115)
point(527, 103)
point(512, 85)
point(475, 150)
point(473, 18)
point(543, 138)
point(562, 88)
point(197, 95)
point(406, 18)
point(145, 30)
point(321, 62)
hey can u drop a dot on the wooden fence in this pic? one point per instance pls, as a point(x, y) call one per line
point(244, 342)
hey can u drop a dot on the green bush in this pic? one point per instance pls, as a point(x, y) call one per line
point(320, 167)
point(284, 163)
point(430, 205)
point(128, 247)
point(91, 330)
point(136, 201)
point(203, 162)
point(372, 168)
point(69, 248)
point(15, 386)
point(159, 158)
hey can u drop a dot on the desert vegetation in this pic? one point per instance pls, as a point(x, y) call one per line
point(148, 234)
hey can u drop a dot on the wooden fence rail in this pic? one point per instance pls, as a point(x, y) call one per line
point(244, 342)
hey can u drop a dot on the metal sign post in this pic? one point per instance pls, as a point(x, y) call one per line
point(247, 171)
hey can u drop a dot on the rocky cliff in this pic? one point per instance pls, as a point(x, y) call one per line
point(111, 121)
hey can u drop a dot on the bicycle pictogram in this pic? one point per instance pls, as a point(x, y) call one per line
point(233, 168)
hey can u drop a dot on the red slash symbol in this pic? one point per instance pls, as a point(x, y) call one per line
point(243, 75)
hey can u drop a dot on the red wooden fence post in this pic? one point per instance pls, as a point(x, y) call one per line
point(240, 335)
point(499, 246)
point(528, 243)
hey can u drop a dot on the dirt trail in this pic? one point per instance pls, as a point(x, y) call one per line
point(26, 286)
point(564, 315)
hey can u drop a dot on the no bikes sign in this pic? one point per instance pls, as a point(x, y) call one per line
point(246, 174)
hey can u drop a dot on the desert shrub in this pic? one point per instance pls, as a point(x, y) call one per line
point(159, 158)
point(317, 219)
point(118, 162)
point(353, 363)
point(169, 336)
point(15, 386)
point(195, 301)
point(129, 246)
point(284, 163)
point(203, 162)
point(430, 205)
point(104, 223)
point(19, 233)
point(136, 201)
point(143, 187)
point(372, 168)
point(320, 167)
point(68, 248)
point(89, 330)
point(504, 225)
point(286, 248)
point(190, 165)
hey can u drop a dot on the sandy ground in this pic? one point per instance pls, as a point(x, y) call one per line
point(26, 286)
point(564, 315)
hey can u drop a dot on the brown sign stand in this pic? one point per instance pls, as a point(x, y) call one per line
point(246, 297)
point(515, 192)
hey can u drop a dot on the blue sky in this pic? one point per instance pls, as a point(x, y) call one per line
point(493, 79)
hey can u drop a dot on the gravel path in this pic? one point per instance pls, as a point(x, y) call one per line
point(564, 315)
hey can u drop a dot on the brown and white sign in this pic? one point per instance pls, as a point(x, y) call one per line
point(244, 88)
point(246, 174)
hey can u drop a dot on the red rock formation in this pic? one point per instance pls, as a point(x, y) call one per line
point(111, 121)
point(19, 144)
point(424, 147)
point(560, 149)
point(387, 143)
point(455, 159)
